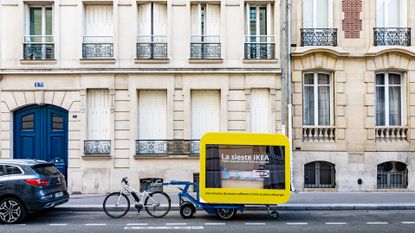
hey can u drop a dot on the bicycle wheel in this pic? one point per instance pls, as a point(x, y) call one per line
point(157, 204)
point(116, 205)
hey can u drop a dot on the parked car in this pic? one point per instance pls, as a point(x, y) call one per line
point(29, 186)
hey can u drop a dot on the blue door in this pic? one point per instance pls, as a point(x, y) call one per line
point(41, 132)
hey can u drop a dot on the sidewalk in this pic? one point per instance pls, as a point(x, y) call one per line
point(298, 201)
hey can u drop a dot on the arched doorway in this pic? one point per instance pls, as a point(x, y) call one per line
point(41, 132)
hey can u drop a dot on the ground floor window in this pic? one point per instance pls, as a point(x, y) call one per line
point(319, 175)
point(392, 175)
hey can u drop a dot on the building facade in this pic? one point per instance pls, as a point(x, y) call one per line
point(353, 95)
point(114, 88)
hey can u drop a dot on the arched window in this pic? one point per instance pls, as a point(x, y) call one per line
point(319, 174)
point(392, 175)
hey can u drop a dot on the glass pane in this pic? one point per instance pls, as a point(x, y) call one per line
point(394, 79)
point(12, 170)
point(263, 21)
point(380, 79)
point(2, 171)
point(35, 21)
point(307, 13)
point(393, 13)
point(57, 122)
point(252, 21)
point(380, 106)
point(326, 174)
point(324, 105)
point(48, 21)
point(310, 174)
point(322, 14)
point(395, 105)
point(323, 79)
point(309, 79)
point(28, 122)
point(380, 13)
point(308, 105)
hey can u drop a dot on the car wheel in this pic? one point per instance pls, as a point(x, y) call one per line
point(11, 211)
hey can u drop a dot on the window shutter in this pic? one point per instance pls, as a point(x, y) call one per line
point(98, 115)
point(195, 19)
point(152, 111)
point(144, 19)
point(98, 20)
point(160, 19)
point(205, 113)
point(260, 111)
point(212, 19)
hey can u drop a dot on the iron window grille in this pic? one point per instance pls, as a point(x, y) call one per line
point(151, 47)
point(392, 36)
point(205, 47)
point(392, 175)
point(97, 147)
point(97, 47)
point(167, 147)
point(319, 175)
point(319, 37)
point(38, 47)
point(259, 47)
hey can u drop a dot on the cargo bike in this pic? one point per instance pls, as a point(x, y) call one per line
point(238, 169)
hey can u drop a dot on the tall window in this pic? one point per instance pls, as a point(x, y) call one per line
point(205, 109)
point(317, 101)
point(98, 114)
point(152, 19)
point(391, 13)
point(319, 175)
point(260, 111)
point(388, 99)
point(259, 23)
point(317, 13)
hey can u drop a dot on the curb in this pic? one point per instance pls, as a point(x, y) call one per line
point(286, 207)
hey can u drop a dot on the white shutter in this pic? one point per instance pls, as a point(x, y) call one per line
point(212, 19)
point(152, 111)
point(195, 19)
point(260, 110)
point(380, 13)
point(98, 115)
point(160, 19)
point(144, 19)
point(205, 113)
point(98, 20)
point(308, 13)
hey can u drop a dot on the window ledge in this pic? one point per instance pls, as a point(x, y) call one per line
point(207, 61)
point(320, 190)
point(38, 62)
point(138, 157)
point(97, 60)
point(260, 61)
point(151, 61)
point(97, 156)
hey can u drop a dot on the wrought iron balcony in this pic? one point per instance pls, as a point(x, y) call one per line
point(97, 47)
point(319, 37)
point(97, 147)
point(259, 47)
point(398, 36)
point(205, 47)
point(167, 147)
point(151, 47)
point(38, 47)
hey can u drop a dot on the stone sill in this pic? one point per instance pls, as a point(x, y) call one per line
point(206, 61)
point(151, 61)
point(38, 62)
point(97, 156)
point(138, 157)
point(260, 61)
point(97, 60)
point(320, 190)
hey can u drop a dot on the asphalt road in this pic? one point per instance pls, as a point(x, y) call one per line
point(289, 221)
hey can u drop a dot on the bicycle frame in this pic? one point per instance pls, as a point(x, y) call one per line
point(139, 197)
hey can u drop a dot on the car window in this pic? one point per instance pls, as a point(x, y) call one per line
point(46, 170)
point(2, 172)
point(12, 170)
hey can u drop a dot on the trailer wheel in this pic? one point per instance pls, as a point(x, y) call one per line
point(274, 214)
point(187, 209)
point(225, 213)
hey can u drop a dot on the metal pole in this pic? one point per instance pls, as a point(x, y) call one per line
point(284, 56)
point(289, 82)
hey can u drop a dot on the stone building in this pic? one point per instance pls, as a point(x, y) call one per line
point(113, 88)
point(353, 78)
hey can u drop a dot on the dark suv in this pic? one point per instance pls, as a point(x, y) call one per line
point(29, 186)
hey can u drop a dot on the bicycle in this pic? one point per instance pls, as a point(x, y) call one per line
point(157, 204)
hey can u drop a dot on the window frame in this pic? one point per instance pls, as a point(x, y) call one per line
point(10, 165)
point(314, 14)
point(43, 7)
point(386, 89)
point(317, 175)
point(268, 19)
point(403, 19)
point(316, 86)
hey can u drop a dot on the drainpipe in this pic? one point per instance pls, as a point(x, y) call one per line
point(289, 82)
point(284, 56)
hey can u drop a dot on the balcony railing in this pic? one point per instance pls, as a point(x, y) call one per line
point(97, 47)
point(151, 47)
point(398, 36)
point(259, 47)
point(167, 147)
point(391, 133)
point(97, 147)
point(319, 37)
point(319, 133)
point(37, 47)
point(205, 47)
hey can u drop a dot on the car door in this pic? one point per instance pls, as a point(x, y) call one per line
point(3, 179)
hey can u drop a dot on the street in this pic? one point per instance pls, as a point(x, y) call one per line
point(258, 221)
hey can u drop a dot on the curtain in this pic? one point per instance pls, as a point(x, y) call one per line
point(394, 99)
point(308, 99)
point(393, 19)
point(308, 14)
point(322, 14)
point(323, 99)
point(380, 99)
point(213, 169)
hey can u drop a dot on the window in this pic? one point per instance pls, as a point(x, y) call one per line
point(13, 170)
point(260, 110)
point(258, 20)
point(319, 175)
point(389, 98)
point(38, 39)
point(392, 175)
point(391, 13)
point(317, 100)
point(28, 122)
point(2, 171)
point(205, 112)
point(152, 114)
point(98, 114)
point(317, 13)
